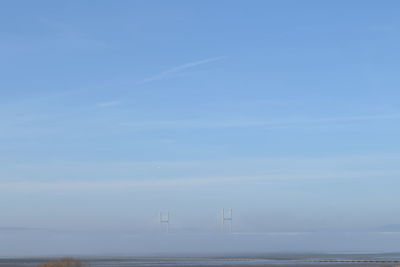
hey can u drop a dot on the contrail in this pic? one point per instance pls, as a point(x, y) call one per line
point(180, 68)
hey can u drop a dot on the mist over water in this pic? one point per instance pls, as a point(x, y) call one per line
point(95, 243)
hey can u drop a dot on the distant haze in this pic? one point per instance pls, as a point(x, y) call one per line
point(185, 244)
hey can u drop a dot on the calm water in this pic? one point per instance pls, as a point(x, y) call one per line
point(196, 262)
point(286, 260)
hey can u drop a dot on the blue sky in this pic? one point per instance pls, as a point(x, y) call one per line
point(286, 111)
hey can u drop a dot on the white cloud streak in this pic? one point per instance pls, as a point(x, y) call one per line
point(283, 122)
point(190, 182)
point(109, 104)
point(105, 177)
point(180, 68)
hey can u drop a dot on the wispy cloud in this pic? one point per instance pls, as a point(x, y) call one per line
point(122, 176)
point(101, 186)
point(193, 182)
point(109, 104)
point(180, 68)
point(275, 122)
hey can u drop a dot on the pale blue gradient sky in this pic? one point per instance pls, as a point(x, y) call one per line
point(286, 111)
